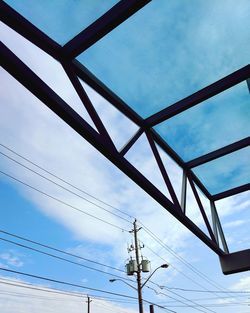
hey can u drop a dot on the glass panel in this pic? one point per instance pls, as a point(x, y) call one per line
point(61, 19)
point(47, 68)
point(215, 123)
point(234, 217)
point(227, 172)
point(119, 127)
point(170, 49)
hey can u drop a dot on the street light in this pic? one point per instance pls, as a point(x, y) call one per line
point(140, 286)
point(113, 280)
point(161, 266)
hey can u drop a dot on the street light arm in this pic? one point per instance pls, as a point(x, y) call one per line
point(161, 266)
point(150, 277)
point(113, 280)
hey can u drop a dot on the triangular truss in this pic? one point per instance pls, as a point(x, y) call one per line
point(100, 138)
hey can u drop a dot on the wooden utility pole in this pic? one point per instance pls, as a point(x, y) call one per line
point(89, 304)
point(138, 272)
point(151, 308)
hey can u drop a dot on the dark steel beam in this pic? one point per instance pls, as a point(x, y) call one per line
point(200, 205)
point(33, 34)
point(17, 22)
point(235, 262)
point(131, 142)
point(88, 104)
point(35, 85)
point(106, 93)
point(231, 192)
point(199, 96)
point(219, 153)
point(165, 147)
point(102, 26)
point(184, 192)
point(218, 230)
point(248, 84)
point(22, 26)
point(163, 170)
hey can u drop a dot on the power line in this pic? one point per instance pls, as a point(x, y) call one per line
point(60, 201)
point(175, 268)
point(64, 188)
point(182, 273)
point(199, 273)
point(65, 181)
point(65, 283)
point(59, 250)
point(194, 304)
point(61, 258)
point(109, 205)
point(189, 265)
point(33, 287)
point(79, 286)
point(56, 291)
point(30, 296)
point(211, 291)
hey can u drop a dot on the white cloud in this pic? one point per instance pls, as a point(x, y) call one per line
point(19, 298)
point(11, 258)
point(31, 129)
point(235, 223)
point(242, 285)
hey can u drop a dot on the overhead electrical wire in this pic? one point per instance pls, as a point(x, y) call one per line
point(30, 296)
point(65, 283)
point(61, 201)
point(107, 204)
point(193, 305)
point(64, 181)
point(82, 265)
point(58, 250)
point(181, 259)
point(78, 286)
point(64, 188)
point(56, 291)
point(176, 269)
point(25, 285)
point(191, 267)
point(62, 259)
point(212, 291)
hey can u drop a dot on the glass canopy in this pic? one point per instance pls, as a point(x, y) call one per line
point(169, 50)
point(215, 123)
point(161, 54)
point(61, 19)
point(226, 172)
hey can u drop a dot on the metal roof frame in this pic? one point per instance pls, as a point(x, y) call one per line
point(101, 139)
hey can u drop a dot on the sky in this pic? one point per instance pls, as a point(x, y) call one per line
point(34, 132)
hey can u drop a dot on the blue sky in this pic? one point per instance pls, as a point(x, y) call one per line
point(32, 130)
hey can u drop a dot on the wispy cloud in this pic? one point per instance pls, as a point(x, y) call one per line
point(11, 258)
point(242, 285)
point(35, 132)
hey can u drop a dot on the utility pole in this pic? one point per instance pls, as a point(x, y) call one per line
point(138, 272)
point(89, 304)
point(138, 265)
point(151, 308)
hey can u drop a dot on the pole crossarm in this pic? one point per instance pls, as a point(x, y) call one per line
point(102, 26)
point(21, 72)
